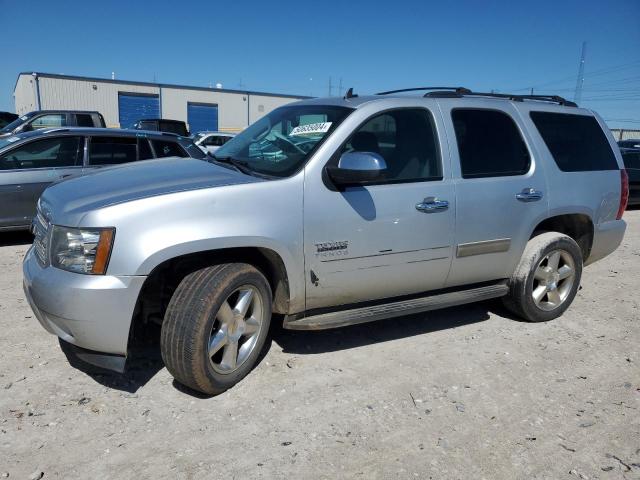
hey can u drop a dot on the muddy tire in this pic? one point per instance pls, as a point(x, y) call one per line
point(215, 326)
point(547, 278)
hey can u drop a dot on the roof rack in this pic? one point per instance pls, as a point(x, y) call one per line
point(509, 96)
point(458, 92)
point(417, 89)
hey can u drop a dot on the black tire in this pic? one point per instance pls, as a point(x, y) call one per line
point(521, 285)
point(191, 316)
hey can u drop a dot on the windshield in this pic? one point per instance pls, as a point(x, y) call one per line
point(280, 143)
point(16, 123)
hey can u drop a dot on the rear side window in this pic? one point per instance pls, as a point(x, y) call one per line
point(168, 149)
point(84, 120)
point(112, 150)
point(576, 142)
point(489, 143)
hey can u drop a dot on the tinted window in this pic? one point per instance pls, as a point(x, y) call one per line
point(144, 149)
point(631, 159)
point(173, 127)
point(47, 153)
point(489, 144)
point(164, 148)
point(49, 121)
point(84, 120)
point(112, 150)
point(406, 139)
point(576, 142)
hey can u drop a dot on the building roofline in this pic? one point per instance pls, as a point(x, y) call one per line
point(158, 85)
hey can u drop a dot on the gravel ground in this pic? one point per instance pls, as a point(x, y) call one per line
point(463, 393)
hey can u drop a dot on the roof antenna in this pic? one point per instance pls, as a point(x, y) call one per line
point(350, 94)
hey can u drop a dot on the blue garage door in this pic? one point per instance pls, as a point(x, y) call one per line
point(202, 117)
point(132, 107)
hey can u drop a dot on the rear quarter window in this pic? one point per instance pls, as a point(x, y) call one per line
point(576, 142)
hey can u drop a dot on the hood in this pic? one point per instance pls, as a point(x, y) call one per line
point(134, 181)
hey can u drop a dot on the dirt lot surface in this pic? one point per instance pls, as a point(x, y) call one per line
point(464, 393)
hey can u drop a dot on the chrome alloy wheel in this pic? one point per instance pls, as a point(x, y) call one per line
point(236, 329)
point(553, 280)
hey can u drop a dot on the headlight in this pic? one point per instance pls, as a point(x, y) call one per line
point(81, 250)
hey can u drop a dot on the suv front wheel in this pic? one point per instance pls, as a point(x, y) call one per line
point(215, 326)
point(546, 279)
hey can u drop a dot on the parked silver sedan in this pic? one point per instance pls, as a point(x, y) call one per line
point(30, 162)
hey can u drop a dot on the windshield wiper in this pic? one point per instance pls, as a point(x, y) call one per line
point(239, 165)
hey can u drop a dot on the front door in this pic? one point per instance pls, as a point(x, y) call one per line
point(28, 169)
point(381, 240)
point(500, 187)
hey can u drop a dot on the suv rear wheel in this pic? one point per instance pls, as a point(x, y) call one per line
point(215, 326)
point(547, 278)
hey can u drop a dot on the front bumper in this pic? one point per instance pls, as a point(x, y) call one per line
point(93, 312)
point(607, 236)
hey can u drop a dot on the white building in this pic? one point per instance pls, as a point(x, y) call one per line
point(124, 102)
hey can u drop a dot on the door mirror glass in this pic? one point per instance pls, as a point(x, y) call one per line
point(357, 168)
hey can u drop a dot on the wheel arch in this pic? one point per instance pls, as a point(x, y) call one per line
point(578, 226)
point(165, 277)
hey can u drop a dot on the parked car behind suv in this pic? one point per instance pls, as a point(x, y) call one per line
point(392, 205)
point(629, 143)
point(209, 142)
point(162, 125)
point(29, 162)
point(43, 119)
point(631, 159)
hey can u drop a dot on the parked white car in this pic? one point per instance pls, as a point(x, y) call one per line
point(209, 142)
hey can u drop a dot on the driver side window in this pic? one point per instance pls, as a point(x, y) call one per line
point(407, 141)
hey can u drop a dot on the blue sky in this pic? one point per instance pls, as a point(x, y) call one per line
point(294, 47)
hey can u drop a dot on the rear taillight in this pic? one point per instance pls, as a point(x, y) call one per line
point(624, 193)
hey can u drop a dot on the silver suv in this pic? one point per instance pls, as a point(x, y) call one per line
point(329, 212)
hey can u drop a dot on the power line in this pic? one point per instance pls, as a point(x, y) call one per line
point(595, 73)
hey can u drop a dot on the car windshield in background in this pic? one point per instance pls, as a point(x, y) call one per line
point(280, 143)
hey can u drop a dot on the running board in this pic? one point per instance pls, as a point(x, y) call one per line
point(436, 301)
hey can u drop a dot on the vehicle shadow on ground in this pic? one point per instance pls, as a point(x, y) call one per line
point(322, 341)
point(9, 239)
point(145, 361)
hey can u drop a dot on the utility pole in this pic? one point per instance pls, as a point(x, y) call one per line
point(330, 87)
point(532, 91)
point(580, 81)
point(340, 87)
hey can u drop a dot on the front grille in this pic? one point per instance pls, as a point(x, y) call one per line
point(41, 238)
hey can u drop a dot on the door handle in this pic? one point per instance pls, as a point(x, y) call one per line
point(431, 205)
point(529, 195)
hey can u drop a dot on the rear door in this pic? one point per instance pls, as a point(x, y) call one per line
point(500, 188)
point(111, 150)
point(26, 170)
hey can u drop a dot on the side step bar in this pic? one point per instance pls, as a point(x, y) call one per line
point(401, 308)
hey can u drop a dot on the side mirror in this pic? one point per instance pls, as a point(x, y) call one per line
point(357, 168)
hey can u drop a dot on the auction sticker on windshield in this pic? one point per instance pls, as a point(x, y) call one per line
point(311, 129)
